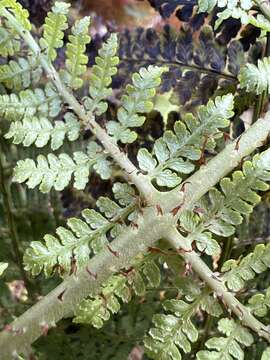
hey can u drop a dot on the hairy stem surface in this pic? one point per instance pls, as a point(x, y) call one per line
point(151, 227)
point(219, 288)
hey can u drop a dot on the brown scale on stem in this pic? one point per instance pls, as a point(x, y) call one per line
point(226, 136)
point(104, 299)
point(58, 269)
point(115, 253)
point(73, 266)
point(198, 210)
point(60, 297)
point(183, 186)
point(155, 250)
point(188, 269)
point(237, 143)
point(10, 329)
point(141, 203)
point(241, 312)
point(183, 251)
point(202, 161)
point(93, 275)
point(134, 225)
point(175, 210)
point(45, 329)
point(159, 210)
point(215, 277)
point(126, 272)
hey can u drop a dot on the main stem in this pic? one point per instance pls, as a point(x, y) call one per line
point(151, 226)
point(219, 288)
point(63, 299)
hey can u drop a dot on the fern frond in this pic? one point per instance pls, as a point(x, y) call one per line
point(195, 63)
point(76, 59)
point(137, 100)
point(228, 347)
point(98, 310)
point(20, 74)
point(260, 21)
point(40, 131)
point(219, 212)
point(259, 304)
point(208, 5)
point(56, 171)
point(21, 14)
point(237, 272)
point(176, 331)
point(9, 42)
point(246, 18)
point(119, 287)
point(235, 9)
point(85, 236)
point(54, 27)
point(266, 354)
point(173, 152)
point(38, 102)
point(256, 78)
point(101, 76)
point(3, 267)
point(196, 229)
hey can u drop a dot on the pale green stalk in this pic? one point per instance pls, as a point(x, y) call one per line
point(151, 227)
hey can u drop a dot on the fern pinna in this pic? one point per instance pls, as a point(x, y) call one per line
point(170, 210)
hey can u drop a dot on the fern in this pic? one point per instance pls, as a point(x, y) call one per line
point(54, 27)
point(98, 310)
point(76, 59)
point(208, 5)
point(18, 11)
point(254, 176)
point(119, 287)
point(101, 76)
point(9, 42)
point(221, 211)
point(137, 100)
point(177, 331)
point(3, 267)
point(40, 131)
point(196, 230)
point(56, 171)
point(237, 272)
point(256, 78)
point(266, 354)
point(189, 139)
point(227, 347)
point(246, 18)
point(198, 65)
point(84, 236)
point(19, 75)
point(152, 225)
point(260, 303)
point(235, 9)
point(41, 102)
